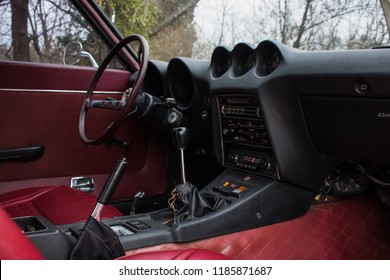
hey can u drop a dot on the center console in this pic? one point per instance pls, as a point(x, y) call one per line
point(252, 201)
point(244, 140)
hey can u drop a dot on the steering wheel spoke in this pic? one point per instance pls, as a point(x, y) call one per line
point(105, 104)
point(126, 105)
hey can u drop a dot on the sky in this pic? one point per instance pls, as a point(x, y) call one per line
point(254, 20)
point(208, 24)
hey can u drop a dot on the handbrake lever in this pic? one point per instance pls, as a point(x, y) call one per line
point(109, 187)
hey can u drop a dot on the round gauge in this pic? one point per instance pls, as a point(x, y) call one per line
point(220, 61)
point(269, 58)
point(272, 62)
point(248, 63)
point(180, 82)
point(243, 59)
point(154, 80)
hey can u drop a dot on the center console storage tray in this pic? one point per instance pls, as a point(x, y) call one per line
point(30, 224)
point(51, 242)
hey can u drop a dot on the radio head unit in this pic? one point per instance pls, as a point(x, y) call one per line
point(244, 139)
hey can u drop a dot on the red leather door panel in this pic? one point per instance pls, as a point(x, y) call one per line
point(40, 104)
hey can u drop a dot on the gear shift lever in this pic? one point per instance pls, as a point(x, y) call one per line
point(137, 197)
point(186, 201)
point(181, 137)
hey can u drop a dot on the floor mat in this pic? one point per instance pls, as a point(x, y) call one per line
point(354, 228)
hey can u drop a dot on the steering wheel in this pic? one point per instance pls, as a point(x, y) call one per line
point(126, 104)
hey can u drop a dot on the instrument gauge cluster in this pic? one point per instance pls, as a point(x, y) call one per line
point(244, 58)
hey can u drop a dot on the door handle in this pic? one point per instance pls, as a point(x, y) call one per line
point(84, 184)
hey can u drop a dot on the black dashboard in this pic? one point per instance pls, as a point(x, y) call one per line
point(280, 112)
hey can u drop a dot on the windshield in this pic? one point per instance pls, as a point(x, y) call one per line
point(193, 28)
point(39, 31)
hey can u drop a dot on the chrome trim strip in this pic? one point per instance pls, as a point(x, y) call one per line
point(57, 91)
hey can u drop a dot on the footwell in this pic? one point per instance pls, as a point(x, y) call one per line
point(354, 228)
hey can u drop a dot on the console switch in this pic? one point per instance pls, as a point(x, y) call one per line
point(231, 189)
point(138, 225)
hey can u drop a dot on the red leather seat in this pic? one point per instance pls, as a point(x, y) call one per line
point(14, 245)
point(189, 254)
point(60, 205)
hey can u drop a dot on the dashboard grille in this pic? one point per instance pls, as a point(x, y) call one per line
point(240, 110)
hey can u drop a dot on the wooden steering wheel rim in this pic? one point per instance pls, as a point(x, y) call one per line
point(126, 107)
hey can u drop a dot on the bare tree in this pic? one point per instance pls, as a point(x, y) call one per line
point(302, 26)
point(173, 34)
point(305, 24)
point(21, 50)
point(386, 11)
point(284, 18)
point(172, 18)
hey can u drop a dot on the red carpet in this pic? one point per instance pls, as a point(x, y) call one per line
point(355, 228)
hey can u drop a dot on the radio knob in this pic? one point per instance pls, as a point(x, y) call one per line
point(233, 158)
point(231, 128)
point(262, 164)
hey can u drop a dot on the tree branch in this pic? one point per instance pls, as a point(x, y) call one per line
point(301, 28)
point(386, 11)
point(172, 18)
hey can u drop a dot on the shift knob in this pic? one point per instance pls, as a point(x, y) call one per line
point(180, 137)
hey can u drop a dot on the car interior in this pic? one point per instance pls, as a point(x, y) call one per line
point(259, 152)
